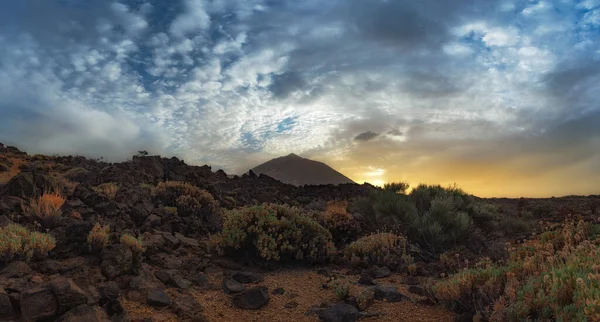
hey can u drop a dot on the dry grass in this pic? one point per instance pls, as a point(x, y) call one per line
point(337, 207)
point(18, 241)
point(109, 189)
point(134, 244)
point(46, 208)
point(98, 236)
point(13, 171)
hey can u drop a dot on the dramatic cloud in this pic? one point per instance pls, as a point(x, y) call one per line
point(498, 96)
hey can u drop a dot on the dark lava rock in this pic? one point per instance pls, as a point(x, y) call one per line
point(290, 305)
point(28, 184)
point(67, 293)
point(85, 313)
point(252, 299)
point(38, 304)
point(417, 290)
point(109, 291)
point(387, 293)
point(341, 312)
point(248, 277)
point(158, 297)
point(464, 317)
point(181, 282)
point(6, 308)
point(187, 307)
point(16, 269)
point(231, 286)
point(116, 261)
point(366, 279)
point(278, 291)
point(379, 272)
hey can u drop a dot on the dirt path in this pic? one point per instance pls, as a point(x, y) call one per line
point(305, 289)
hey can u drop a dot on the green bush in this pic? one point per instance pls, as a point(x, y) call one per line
point(343, 226)
point(555, 278)
point(511, 225)
point(17, 242)
point(273, 233)
point(190, 201)
point(384, 249)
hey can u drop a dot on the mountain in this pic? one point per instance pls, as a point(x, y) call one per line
point(299, 171)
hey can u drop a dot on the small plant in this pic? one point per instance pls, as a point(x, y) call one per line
point(273, 233)
point(342, 291)
point(190, 201)
point(132, 243)
point(46, 208)
point(171, 211)
point(384, 249)
point(98, 236)
point(342, 225)
point(17, 241)
point(108, 189)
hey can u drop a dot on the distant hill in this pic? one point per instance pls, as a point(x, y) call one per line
point(299, 171)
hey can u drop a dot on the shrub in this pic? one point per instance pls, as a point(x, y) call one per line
point(108, 189)
point(440, 227)
point(46, 208)
point(190, 201)
point(384, 249)
point(511, 225)
point(273, 233)
point(484, 215)
point(98, 236)
point(132, 243)
point(384, 208)
point(17, 242)
point(343, 227)
point(342, 291)
point(540, 281)
point(396, 187)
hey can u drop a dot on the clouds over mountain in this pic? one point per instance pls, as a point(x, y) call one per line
point(509, 84)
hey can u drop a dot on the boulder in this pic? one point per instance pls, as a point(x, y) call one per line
point(67, 293)
point(417, 290)
point(247, 277)
point(6, 309)
point(464, 317)
point(16, 269)
point(252, 299)
point(116, 261)
point(341, 312)
point(379, 272)
point(187, 307)
point(38, 304)
point(84, 313)
point(28, 185)
point(231, 286)
point(158, 298)
point(387, 293)
point(366, 279)
point(109, 291)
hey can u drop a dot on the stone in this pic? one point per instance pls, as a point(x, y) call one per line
point(38, 304)
point(341, 312)
point(417, 290)
point(84, 313)
point(366, 279)
point(158, 297)
point(290, 305)
point(379, 272)
point(116, 261)
point(231, 286)
point(248, 277)
point(36, 279)
point(6, 309)
point(186, 241)
point(109, 291)
point(278, 291)
point(181, 282)
point(187, 307)
point(67, 293)
point(16, 269)
point(464, 317)
point(252, 299)
point(387, 293)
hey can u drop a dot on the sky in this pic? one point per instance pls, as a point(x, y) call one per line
point(500, 97)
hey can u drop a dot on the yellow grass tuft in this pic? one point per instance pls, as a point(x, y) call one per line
point(46, 208)
point(98, 236)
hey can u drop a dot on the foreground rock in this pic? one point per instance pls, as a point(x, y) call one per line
point(159, 298)
point(85, 313)
point(252, 299)
point(341, 312)
point(6, 308)
point(387, 293)
point(68, 294)
point(38, 304)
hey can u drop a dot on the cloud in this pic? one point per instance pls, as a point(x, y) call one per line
point(453, 91)
point(366, 136)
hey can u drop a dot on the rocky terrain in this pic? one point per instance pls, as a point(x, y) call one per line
point(155, 239)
